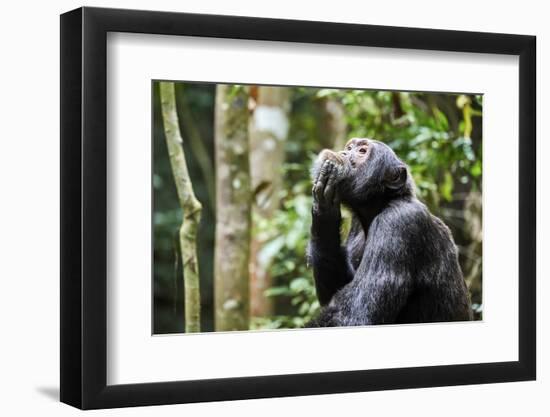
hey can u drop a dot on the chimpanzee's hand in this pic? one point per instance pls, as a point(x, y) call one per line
point(326, 200)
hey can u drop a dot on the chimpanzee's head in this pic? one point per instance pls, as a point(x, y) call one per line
point(370, 169)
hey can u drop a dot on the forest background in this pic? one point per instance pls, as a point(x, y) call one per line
point(247, 153)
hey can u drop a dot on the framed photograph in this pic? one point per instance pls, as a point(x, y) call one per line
point(259, 208)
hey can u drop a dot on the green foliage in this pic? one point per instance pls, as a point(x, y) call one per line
point(287, 234)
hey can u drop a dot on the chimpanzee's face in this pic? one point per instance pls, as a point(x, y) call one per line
point(370, 168)
point(356, 152)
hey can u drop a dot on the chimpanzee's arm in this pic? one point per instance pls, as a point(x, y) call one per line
point(328, 258)
point(381, 285)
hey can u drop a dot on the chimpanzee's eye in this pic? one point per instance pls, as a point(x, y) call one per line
point(349, 148)
point(363, 150)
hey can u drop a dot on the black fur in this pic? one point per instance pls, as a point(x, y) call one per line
point(399, 263)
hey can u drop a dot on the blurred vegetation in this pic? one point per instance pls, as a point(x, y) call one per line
point(437, 135)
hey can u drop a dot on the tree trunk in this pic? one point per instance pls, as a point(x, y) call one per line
point(190, 206)
point(333, 126)
point(269, 126)
point(233, 201)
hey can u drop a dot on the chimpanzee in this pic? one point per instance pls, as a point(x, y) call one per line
point(399, 263)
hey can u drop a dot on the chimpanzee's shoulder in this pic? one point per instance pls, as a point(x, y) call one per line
point(405, 217)
point(407, 210)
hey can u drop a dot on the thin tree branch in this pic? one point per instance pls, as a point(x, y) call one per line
point(189, 204)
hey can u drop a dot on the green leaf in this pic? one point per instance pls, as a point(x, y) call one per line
point(476, 169)
point(441, 119)
point(276, 291)
point(446, 188)
point(299, 284)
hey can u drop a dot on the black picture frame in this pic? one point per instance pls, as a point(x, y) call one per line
point(84, 207)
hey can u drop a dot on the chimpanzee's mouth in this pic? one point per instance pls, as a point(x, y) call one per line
point(352, 164)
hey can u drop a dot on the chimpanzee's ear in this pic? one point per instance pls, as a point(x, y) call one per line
point(396, 177)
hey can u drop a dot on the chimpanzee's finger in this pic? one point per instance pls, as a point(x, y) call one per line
point(330, 187)
point(320, 185)
point(336, 198)
point(325, 171)
point(320, 171)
